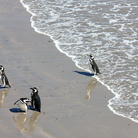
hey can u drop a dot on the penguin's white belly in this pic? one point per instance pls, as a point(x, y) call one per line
point(23, 107)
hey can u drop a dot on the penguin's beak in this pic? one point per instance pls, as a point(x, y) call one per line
point(32, 88)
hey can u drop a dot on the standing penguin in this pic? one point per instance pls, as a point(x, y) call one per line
point(94, 65)
point(22, 104)
point(3, 77)
point(35, 99)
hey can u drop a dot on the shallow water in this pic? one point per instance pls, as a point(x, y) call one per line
point(106, 29)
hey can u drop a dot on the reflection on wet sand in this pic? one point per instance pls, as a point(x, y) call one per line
point(26, 124)
point(33, 120)
point(20, 121)
point(91, 85)
point(3, 94)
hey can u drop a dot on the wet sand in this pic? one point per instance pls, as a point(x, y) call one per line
point(74, 104)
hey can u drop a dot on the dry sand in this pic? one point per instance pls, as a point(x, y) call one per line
point(31, 59)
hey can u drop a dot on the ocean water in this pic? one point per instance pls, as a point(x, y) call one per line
point(108, 29)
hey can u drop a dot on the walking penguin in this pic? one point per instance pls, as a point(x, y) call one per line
point(3, 77)
point(94, 65)
point(35, 99)
point(22, 104)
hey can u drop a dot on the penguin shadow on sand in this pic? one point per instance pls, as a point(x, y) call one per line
point(24, 123)
point(91, 85)
point(3, 88)
point(85, 73)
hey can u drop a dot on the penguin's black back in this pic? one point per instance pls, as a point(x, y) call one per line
point(95, 67)
point(36, 102)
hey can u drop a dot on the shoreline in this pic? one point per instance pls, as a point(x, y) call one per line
point(62, 52)
point(33, 60)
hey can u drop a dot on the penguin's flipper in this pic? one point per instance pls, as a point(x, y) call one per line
point(6, 81)
point(16, 102)
point(32, 102)
point(93, 67)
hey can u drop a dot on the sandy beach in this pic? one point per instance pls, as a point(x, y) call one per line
point(74, 104)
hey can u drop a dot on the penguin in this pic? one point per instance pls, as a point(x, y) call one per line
point(35, 99)
point(3, 77)
point(22, 104)
point(94, 65)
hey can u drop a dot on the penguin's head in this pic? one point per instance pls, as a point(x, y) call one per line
point(91, 56)
point(35, 90)
point(1, 68)
point(24, 100)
